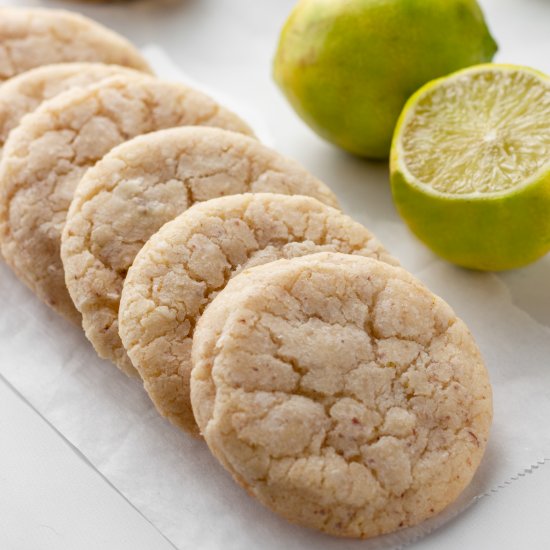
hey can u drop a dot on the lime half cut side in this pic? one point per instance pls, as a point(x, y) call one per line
point(470, 166)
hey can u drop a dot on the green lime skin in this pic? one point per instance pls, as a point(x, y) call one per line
point(348, 66)
point(483, 233)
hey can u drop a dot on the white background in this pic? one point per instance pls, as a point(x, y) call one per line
point(50, 498)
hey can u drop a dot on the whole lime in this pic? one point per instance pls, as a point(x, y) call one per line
point(348, 66)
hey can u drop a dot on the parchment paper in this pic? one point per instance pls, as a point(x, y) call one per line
point(174, 481)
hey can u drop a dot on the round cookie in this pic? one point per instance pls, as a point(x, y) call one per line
point(22, 94)
point(138, 187)
point(31, 37)
point(48, 153)
point(182, 267)
point(341, 393)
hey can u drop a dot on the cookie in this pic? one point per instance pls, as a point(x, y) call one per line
point(31, 37)
point(22, 94)
point(341, 393)
point(48, 153)
point(182, 267)
point(138, 187)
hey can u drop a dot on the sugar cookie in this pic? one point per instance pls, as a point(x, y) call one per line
point(31, 37)
point(341, 393)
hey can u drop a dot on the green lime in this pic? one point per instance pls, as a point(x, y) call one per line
point(470, 166)
point(348, 66)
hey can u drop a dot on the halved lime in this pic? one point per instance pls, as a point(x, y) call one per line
point(470, 166)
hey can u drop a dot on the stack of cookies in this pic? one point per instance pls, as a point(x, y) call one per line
point(333, 385)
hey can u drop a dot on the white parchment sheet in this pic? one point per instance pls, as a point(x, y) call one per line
point(174, 481)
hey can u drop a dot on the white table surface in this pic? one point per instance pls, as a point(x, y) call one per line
point(50, 497)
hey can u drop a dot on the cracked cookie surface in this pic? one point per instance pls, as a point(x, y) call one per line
point(32, 37)
point(48, 153)
point(183, 266)
point(341, 393)
point(138, 187)
point(22, 94)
